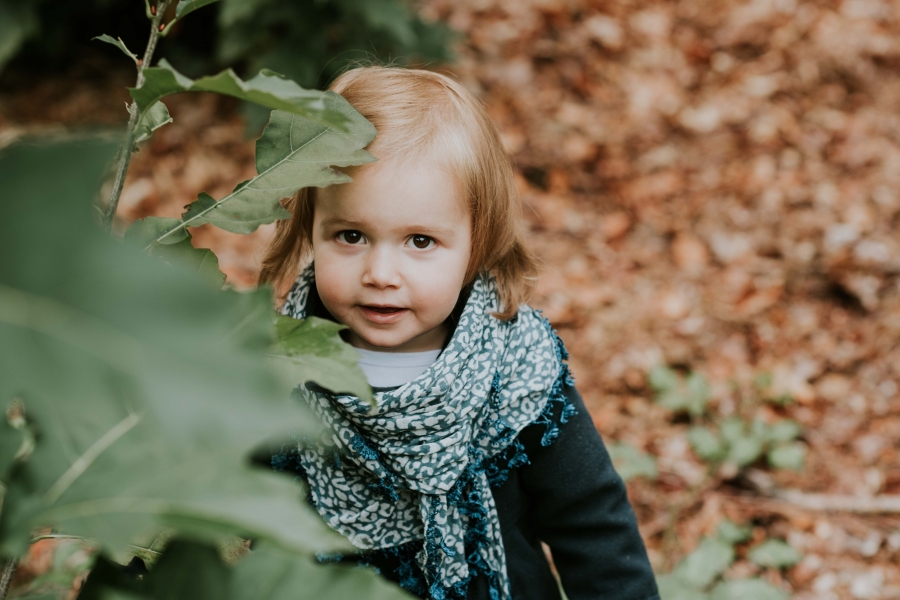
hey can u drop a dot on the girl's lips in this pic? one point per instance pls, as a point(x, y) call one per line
point(383, 314)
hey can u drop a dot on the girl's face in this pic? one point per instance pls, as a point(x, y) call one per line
point(391, 251)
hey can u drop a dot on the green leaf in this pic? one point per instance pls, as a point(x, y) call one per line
point(762, 381)
point(630, 462)
point(706, 444)
point(18, 22)
point(787, 456)
point(673, 588)
point(745, 450)
point(732, 429)
point(175, 249)
point(312, 350)
point(118, 43)
point(148, 230)
point(287, 577)
point(747, 589)
point(150, 120)
point(775, 554)
point(200, 260)
point(661, 378)
point(16, 439)
point(674, 400)
point(293, 153)
point(702, 566)
point(147, 390)
point(268, 89)
point(784, 430)
point(731, 532)
point(698, 393)
point(186, 7)
point(189, 570)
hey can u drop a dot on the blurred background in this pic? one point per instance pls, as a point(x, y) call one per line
point(714, 189)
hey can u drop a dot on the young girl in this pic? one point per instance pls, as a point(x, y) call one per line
point(479, 448)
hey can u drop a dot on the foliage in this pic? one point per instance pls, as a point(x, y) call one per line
point(689, 394)
point(268, 89)
point(774, 554)
point(731, 443)
point(121, 362)
point(146, 389)
point(741, 444)
point(273, 33)
point(630, 462)
point(189, 570)
point(71, 560)
point(291, 154)
point(699, 575)
point(307, 41)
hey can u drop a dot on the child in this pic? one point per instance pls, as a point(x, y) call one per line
point(479, 448)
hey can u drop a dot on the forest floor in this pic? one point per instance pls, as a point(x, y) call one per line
point(712, 186)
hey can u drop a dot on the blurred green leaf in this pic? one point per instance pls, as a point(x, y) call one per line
point(732, 429)
point(630, 462)
point(697, 393)
point(762, 381)
point(312, 350)
point(702, 566)
point(189, 570)
point(787, 456)
point(747, 589)
point(268, 89)
point(784, 430)
point(287, 577)
point(706, 444)
point(18, 22)
point(775, 554)
point(662, 379)
point(745, 450)
point(185, 7)
point(674, 588)
point(118, 43)
point(175, 249)
point(147, 390)
point(731, 532)
point(150, 120)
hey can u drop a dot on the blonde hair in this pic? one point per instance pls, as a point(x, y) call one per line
point(422, 113)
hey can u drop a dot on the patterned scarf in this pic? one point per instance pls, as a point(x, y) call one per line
point(416, 467)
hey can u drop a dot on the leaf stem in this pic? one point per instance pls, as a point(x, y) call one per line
point(124, 157)
point(6, 579)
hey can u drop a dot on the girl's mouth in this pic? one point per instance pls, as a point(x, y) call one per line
point(383, 314)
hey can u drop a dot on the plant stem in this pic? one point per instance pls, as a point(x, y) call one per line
point(124, 157)
point(6, 580)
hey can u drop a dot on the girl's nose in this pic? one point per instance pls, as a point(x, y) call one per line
point(381, 269)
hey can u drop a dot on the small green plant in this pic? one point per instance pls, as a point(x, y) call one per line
point(699, 575)
point(738, 444)
point(689, 394)
point(733, 443)
point(631, 462)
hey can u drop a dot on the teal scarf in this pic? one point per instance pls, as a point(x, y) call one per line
point(416, 467)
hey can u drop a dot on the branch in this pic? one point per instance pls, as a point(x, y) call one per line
point(832, 502)
point(6, 579)
point(763, 484)
point(124, 157)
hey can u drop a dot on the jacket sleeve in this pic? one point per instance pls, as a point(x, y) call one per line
point(579, 507)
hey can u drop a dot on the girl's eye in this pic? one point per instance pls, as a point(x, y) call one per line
point(422, 242)
point(350, 237)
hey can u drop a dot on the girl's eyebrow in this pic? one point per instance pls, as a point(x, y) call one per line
point(337, 221)
point(424, 229)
